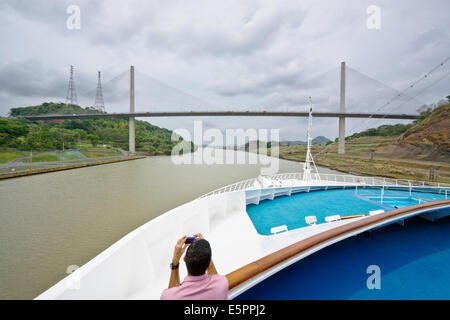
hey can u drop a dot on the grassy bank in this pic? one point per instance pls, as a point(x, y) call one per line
point(8, 156)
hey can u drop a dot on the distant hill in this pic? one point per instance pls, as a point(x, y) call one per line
point(317, 140)
point(320, 140)
point(51, 108)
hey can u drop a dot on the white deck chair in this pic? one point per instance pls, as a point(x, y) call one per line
point(278, 229)
point(311, 220)
point(333, 218)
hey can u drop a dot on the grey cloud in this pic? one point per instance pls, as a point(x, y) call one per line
point(217, 38)
point(252, 53)
point(29, 78)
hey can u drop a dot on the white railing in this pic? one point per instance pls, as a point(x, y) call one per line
point(241, 185)
point(289, 179)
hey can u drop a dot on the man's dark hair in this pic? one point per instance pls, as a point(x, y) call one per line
point(198, 257)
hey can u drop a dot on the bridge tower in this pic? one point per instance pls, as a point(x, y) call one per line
point(131, 132)
point(99, 103)
point(71, 97)
point(341, 145)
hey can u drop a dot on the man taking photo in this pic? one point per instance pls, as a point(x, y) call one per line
point(202, 282)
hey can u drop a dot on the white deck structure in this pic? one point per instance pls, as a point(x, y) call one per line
point(137, 266)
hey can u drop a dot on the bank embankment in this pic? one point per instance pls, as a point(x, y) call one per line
point(66, 166)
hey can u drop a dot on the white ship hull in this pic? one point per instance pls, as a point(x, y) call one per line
point(136, 266)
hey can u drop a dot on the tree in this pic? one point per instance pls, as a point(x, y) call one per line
point(63, 138)
point(81, 134)
point(93, 138)
point(13, 128)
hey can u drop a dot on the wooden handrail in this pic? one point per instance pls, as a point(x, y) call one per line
point(254, 268)
point(353, 216)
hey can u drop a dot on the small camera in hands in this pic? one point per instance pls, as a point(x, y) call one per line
point(190, 240)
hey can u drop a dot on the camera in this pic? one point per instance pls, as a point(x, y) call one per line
point(190, 240)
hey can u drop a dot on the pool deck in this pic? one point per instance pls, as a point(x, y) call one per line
point(412, 264)
point(251, 274)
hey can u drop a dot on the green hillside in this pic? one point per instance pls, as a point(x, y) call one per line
point(51, 108)
point(23, 134)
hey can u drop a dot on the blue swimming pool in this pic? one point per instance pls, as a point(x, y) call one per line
point(412, 262)
point(292, 210)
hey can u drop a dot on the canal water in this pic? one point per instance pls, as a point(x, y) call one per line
point(52, 221)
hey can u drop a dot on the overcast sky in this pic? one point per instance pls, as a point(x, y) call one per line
point(228, 55)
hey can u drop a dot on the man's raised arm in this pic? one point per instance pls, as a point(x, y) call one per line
point(178, 251)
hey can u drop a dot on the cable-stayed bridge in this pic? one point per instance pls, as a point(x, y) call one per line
point(275, 103)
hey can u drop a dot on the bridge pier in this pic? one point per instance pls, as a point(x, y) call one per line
point(341, 144)
point(131, 132)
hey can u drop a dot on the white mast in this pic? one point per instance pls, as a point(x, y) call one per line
point(307, 177)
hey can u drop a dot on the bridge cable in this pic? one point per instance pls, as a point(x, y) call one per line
point(105, 84)
point(202, 103)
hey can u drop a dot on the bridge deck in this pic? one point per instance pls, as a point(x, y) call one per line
point(221, 114)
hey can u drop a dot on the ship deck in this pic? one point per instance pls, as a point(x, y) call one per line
point(136, 266)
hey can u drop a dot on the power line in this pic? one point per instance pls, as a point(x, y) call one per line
point(412, 85)
point(421, 91)
point(424, 89)
point(425, 76)
point(106, 84)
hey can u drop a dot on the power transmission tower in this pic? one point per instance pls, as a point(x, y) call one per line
point(99, 103)
point(71, 97)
